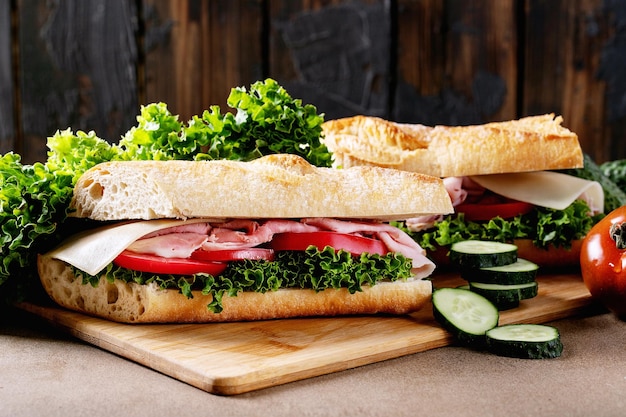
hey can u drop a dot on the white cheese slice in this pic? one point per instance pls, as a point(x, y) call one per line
point(544, 188)
point(92, 250)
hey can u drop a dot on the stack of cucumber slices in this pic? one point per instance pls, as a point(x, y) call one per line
point(498, 280)
point(493, 270)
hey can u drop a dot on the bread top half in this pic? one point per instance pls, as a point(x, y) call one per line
point(274, 186)
point(535, 143)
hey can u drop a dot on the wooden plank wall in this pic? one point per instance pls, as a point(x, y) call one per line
point(7, 131)
point(90, 64)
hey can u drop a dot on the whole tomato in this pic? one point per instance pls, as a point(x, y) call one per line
point(603, 261)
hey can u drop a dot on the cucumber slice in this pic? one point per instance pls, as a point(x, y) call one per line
point(505, 296)
point(519, 272)
point(470, 254)
point(526, 341)
point(465, 314)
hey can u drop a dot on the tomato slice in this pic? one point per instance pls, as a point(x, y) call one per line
point(234, 255)
point(483, 212)
point(351, 243)
point(160, 265)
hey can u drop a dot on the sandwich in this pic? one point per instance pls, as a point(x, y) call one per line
point(214, 241)
point(506, 180)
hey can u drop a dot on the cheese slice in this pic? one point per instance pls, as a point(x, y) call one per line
point(92, 250)
point(544, 188)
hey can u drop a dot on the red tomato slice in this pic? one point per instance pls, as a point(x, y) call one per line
point(234, 255)
point(159, 265)
point(483, 212)
point(351, 243)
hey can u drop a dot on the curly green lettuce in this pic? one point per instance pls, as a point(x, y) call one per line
point(267, 121)
point(545, 227)
point(157, 136)
point(74, 153)
point(34, 201)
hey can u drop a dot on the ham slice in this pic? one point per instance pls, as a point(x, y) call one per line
point(241, 234)
point(172, 245)
point(173, 242)
point(202, 228)
point(457, 190)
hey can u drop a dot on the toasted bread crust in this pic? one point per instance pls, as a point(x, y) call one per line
point(529, 144)
point(276, 186)
point(135, 303)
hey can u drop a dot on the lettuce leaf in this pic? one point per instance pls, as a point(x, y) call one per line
point(34, 201)
point(157, 136)
point(267, 121)
point(74, 153)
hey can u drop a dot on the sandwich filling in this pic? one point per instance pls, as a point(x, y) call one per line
point(547, 207)
point(228, 256)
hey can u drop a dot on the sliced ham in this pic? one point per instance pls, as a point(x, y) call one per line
point(457, 190)
point(201, 228)
point(422, 266)
point(172, 245)
point(241, 234)
point(289, 226)
point(182, 241)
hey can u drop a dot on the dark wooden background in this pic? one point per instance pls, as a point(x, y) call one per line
point(90, 64)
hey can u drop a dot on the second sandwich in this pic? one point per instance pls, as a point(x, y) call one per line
point(502, 178)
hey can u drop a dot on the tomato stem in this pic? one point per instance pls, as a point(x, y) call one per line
point(618, 234)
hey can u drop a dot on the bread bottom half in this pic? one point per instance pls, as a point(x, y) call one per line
point(134, 303)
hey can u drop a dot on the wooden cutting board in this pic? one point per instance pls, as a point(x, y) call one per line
point(233, 358)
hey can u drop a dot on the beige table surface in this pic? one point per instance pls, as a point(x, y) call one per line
point(44, 372)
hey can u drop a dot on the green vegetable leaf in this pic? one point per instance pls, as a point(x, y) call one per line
point(33, 201)
point(74, 153)
point(156, 137)
point(544, 226)
point(267, 121)
point(616, 172)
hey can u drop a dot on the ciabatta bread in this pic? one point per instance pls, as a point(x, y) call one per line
point(133, 303)
point(529, 144)
point(277, 186)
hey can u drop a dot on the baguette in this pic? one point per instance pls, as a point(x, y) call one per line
point(536, 143)
point(134, 303)
point(218, 193)
point(529, 144)
point(275, 186)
